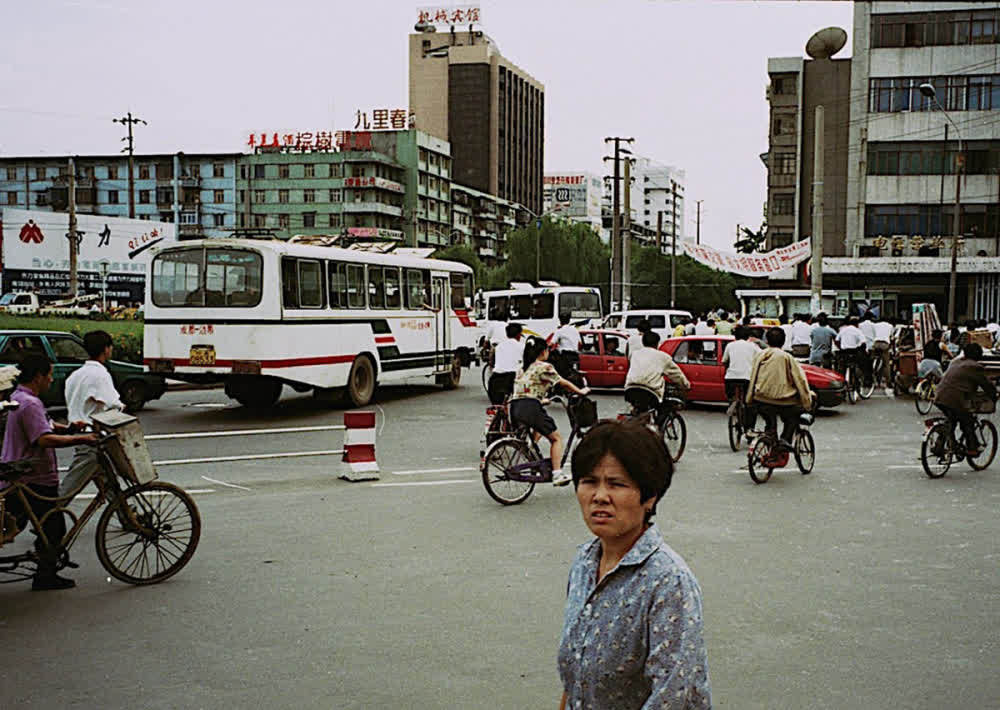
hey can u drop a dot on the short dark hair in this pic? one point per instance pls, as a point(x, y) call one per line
point(533, 347)
point(973, 351)
point(32, 365)
point(640, 452)
point(644, 326)
point(741, 333)
point(564, 318)
point(821, 319)
point(775, 337)
point(710, 322)
point(783, 318)
point(95, 342)
point(650, 339)
point(513, 330)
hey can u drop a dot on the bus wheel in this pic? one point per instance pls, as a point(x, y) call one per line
point(361, 382)
point(450, 381)
point(256, 393)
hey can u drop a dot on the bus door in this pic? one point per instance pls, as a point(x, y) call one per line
point(441, 294)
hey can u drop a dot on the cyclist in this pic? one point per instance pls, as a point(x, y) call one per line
point(930, 365)
point(530, 388)
point(883, 334)
point(960, 383)
point(634, 342)
point(644, 384)
point(821, 342)
point(778, 387)
point(851, 342)
point(738, 359)
point(566, 342)
point(506, 362)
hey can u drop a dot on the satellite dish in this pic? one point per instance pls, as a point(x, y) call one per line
point(825, 43)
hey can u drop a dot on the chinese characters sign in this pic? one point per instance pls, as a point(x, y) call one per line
point(373, 182)
point(384, 119)
point(916, 242)
point(306, 141)
point(445, 15)
point(749, 264)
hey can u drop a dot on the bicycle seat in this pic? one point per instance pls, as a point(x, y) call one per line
point(673, 402)
point(806, 419)
point(13, 470)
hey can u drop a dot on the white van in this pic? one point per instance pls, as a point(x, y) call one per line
point(663, 321)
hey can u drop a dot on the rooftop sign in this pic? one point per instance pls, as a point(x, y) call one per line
point(447, 15)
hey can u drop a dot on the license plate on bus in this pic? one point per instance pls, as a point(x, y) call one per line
point(202, 354)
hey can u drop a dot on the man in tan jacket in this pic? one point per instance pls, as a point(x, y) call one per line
point(778, 386)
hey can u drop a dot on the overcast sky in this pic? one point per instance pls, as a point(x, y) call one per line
point(686, 79)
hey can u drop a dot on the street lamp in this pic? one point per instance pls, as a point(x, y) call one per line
point(104, 265)
point(929, 91)
point(538, 236)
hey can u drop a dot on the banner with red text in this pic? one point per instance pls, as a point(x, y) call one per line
point(762, 264)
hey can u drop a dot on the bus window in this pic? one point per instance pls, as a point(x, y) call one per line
point(337, 280)
point(376, 287)
point(498, 308)
point(543, 305)
point(211, 277)
point(177, 277)
point(461, 291)
point(310, 284)
point(415, 281)
point(289, 283)
point(580, 305)
point(355, 286)
point(520, 307)
point(393, 295)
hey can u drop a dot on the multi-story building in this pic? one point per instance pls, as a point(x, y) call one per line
point(483, 221)
point(662, 188)
point(575, 196)
point(891, 158)
point(195, 191)
point(491, 111)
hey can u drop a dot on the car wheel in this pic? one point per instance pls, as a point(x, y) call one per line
point(133, 395)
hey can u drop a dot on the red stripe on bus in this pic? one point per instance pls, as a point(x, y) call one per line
point(265, 364)
point(463, 317)
point(386, 340)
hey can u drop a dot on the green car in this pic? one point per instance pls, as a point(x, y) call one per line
point(135, 385)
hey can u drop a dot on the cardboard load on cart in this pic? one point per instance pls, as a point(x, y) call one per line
point(983, 337)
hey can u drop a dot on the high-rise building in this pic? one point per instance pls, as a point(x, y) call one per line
point(492, 112)
point(662, 188)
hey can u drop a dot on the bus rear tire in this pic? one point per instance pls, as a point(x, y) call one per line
point(361, 382)
point(451, 380)
point(255, 393)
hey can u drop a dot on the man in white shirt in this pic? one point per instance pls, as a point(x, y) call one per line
point(867, 328)
point(882, 334)
point(801, 337)
point(644, 384)
point(89, 391)
point(635, 341)
point(786, 327)
point(705, 327)
point(507, 360)
point(738, 359)
point(851, 342)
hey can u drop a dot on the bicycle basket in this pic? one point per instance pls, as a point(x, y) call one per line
point(984, 406)
point(584, 412)
point(127, 449)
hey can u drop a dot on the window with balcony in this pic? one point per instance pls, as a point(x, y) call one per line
point(143, 197)
point(784, 125)
point(283, 221)
point(783, 163)
point(112, 172)
point(258, 172)
point(259, 196)
point(11, 198)
point(283, 197)
point(335, 195)
point(783, 204)
point(112, 197)
point(219, 220)
point(915, 29)
point(218, 196)
point(284, 171)
point(309, 219)
point(39, 173)
point(335, 219)
point(144, 172)
point(309, 170)
point(12, 173)
point(336, 170)
point(218, 170)
point(308, 195)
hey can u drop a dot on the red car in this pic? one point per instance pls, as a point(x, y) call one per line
point(602, 357)
point(700, 358)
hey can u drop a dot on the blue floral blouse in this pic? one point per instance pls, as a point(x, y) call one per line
point(634, 640)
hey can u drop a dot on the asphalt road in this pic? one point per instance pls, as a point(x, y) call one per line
point(863, 585)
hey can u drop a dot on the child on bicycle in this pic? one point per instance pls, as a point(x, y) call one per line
point(530, 388)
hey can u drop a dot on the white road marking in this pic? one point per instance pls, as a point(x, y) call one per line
point(424, 483)
point(88, 496)
point(379, 408)
point(434, 470)
point(244, 432)
point(249, 457)
point(909, 465)
point(223, 483)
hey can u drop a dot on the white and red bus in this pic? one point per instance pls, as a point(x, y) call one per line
point(258, 314)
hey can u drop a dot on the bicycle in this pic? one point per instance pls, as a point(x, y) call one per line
point(147, 533)
point(855, 382)
point(513, 464)
point(880, 359)
point(736, 425)
point(924, 393)
point(768, 453)
point(672, 429)
point(940, 447)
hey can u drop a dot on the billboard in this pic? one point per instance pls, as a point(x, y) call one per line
point(575, 195)
point(762, 264)
point(35, 252)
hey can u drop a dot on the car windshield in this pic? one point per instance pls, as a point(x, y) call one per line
point(7, 299)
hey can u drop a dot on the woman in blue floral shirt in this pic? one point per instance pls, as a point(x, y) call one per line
point(632, 635)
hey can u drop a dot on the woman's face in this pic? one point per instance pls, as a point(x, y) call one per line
point(609, 501)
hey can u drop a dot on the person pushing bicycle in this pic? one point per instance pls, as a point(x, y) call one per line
point(530, 389)
point(963, 378)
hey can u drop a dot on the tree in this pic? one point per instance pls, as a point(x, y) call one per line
point(571, 253)
point(699, 288)
point(465, 254)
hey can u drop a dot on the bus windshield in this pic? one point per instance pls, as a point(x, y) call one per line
point(7, 299)
point(214, 277)
point(580, 305)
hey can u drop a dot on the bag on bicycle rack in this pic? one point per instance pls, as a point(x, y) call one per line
point(584, 412)
point(983, 405)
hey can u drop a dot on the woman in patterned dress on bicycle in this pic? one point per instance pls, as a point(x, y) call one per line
point(530, 388)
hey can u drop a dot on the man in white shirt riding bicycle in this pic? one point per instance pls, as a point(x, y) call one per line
point(506, 362)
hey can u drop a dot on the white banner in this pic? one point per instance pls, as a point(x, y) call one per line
point(762, 264)
point(36, 240)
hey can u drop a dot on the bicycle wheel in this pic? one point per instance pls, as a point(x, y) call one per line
point(487, 371)
point(735, 426)
point(805, 452)
point(987, 435)
point(149, 534)
point(675, 435)
point(850, 375)
point(500, 457)
point(758, 454)
point(866, 385)
point(935, 451)
point(923, 397)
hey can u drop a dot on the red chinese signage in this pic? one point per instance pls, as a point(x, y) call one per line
point(306, 141)
point(449, 15)
point(565, 179)
point(384, 119)
point(749, 264)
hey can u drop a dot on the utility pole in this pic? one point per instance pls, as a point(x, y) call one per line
point(71, 235)
point(627, 238)
point(129, 120)
point(659, 231)
point(816, 268)
point(956, 227)
point(673, 244)
point(616, 242)
point(697, 239)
